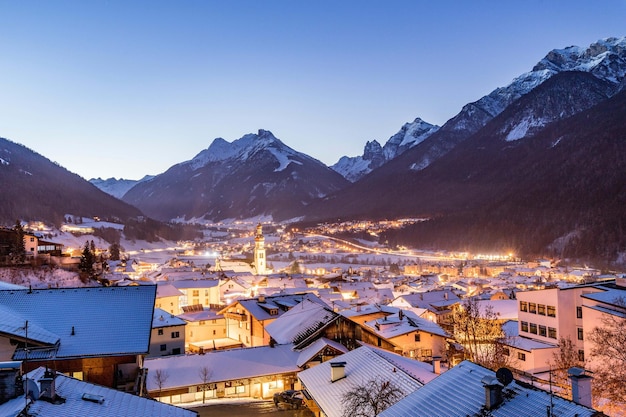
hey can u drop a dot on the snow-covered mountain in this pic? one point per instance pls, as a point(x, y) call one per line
point(117, 188)
point(374, 156)
point(605, 59)
point(256, 175)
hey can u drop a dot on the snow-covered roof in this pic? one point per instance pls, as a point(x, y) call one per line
point(167, 290)
point(106, 402)
point(398, 324)
point(162, 318)
point(102, 321)
point(611, 296)
point(195, 283)
point(205, 314)
point(300, 322)
point(419, 370)
point(15, 325)
point(461, 392)
point(361, 365)
point(255, 305)
point(316, 347)
point(224, 365)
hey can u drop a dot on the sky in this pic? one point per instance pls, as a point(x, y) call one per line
point(123, 89)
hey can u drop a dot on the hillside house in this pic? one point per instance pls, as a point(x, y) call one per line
point(168, 334)
point(246, 320)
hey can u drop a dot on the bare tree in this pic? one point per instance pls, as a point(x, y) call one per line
point(480, 333)
point(608, 356)
point(205, 375)
point(562, 360)
point(160, 376)
point(370, 398)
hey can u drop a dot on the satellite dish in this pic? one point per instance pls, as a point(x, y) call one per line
point(504, 376)
point(31, 389)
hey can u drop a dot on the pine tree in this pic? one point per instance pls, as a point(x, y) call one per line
point(18, 250)
point(87, 259)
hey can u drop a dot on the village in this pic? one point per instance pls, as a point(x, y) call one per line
point(303, 319)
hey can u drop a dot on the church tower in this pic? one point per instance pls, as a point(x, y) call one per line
point(259, 250)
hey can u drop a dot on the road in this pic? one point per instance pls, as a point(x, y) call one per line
point(249, 409)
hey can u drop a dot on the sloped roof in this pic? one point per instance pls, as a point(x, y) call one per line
point(167, 290)
point(115, 403)
point(224, 365)
point(419, 370)
point(162, 318)
point(299, 322)
point(195, 283)
point(107, 321)
point(362, 365)
point(15, 325)
point(255, 308)
point(396, 325)
point(316, 347)
point(461, 392)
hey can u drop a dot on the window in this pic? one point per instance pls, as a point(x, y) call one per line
point(163, 348)
point(523, 306)
point(579, 312)
point(196, 293)
point(541, 309)
point(206, 293)
point(533, 328)
point(581, 355)
point(213, 332)
point(521, 356)
point(532, 308)
point(202, 322)
point(506, 352)
point(417, 337)
point(525, 326)
point(176, 351)
point(580, 333)
point(542, 331)
point(551, 332)
point(160, 332)
point(175, 335)
point(552, 311)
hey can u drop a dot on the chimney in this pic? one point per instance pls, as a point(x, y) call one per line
point(337, 371)
point(493, 392)
point(48, 388)
point(437, 365)
point(581, 386)
point(261, 298)
point(400, 315)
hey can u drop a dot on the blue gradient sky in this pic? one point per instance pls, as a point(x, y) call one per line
point(128, 88)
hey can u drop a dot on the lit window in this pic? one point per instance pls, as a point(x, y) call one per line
point(533, 328)
point(532, 308)
point(551, 311)
point(580, 333)
point(523, 306)
point(551, 332)
point(525, 326)
point(541, 309)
